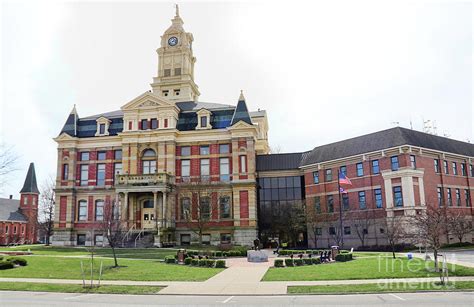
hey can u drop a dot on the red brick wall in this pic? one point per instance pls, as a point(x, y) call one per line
point(244, 204)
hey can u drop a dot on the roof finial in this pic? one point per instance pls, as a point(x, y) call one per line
point(177, 9)
point(241, 97)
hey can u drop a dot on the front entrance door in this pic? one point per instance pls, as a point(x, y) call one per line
point(148, 214)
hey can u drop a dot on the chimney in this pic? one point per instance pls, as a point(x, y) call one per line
point(11, 196)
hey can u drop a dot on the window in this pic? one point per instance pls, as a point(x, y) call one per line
point(177, 71)
point(99, 240)
point(343, 170)
point(317, 204)
point(84, 174)
point(149, 167)
point(319, 231)
point(154, 123)
point(118, 154)
point(101, 174)
point(117, 168)
point(185, 208)
point(22, 229)
point(458, 197)
point(82, 215)
point(360, 169)
point(328, 175)
point(226, 238)
point(6, 229)
point(185, 239)
point(397, 196)
point(165, 123)
point(206, 239)
point(394, 163)
point(382, 230)
point(224, 204)
point(101, 155)
point(365, 231)
point(378, 198)
point(99, 210)
point(176, 92)
point(463, 169)
point(316, 177)
point(185, 151)
point(205, 208)
point(466, 193)
point(204, 150)
point(471, 170)
point(224, 169)
point(65, 172)
point(446, 169)
point(204, 169)
point(412, 161)
point(224, 148)
point(85, 156)
point(347, 230)
point(203, 121)
point(450, 198)
point(167, 72)
point(148, 204)
point(185, 168)
point(101, 128)
point(345, 202)
point(166, 93)
point(436, 165)
point(130, 125)
point(440, 197)
point(375, 167)
point(330, 203)
point(145, 124)
point(362, 203)
point(332, 230)
point(455, 169)
point(81, 240)
point(243, 164)
point(14, 229)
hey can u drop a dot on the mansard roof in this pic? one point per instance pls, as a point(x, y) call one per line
point(221, 117)
point(10, 210)
point(241, 113)
point(279, 162)
point(30, 185)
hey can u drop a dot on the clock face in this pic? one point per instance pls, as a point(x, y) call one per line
point(173, 41)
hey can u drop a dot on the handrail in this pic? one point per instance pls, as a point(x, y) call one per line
point(126, 237)
point(138, 236)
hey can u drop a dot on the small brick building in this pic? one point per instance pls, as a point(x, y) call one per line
point(18, 218)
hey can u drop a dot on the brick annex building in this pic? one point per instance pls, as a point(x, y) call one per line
point(165, 159)
point(18, 218)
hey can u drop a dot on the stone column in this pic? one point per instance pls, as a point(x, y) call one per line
point(155, 204)
point(163, 209)
point(124, 207)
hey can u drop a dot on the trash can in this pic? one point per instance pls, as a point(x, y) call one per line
point(334, 251)
point(181, 254)
point(410, 256)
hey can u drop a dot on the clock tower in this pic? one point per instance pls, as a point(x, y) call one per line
point(175, 80)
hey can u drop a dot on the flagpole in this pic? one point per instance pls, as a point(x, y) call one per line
point(340, 206)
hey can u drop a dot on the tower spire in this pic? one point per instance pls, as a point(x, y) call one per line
point(177, 9)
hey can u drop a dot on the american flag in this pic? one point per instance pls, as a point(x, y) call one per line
point(342, 190)
point(343, 179)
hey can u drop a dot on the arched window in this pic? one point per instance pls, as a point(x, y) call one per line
point(185, 208)
point(99, 210)
point(148, 203)
point(149, 162)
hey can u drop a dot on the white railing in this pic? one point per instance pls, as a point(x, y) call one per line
point(126, 237)
point(138, 237)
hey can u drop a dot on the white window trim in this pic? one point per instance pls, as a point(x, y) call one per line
point(204, 113)
point(106, 122)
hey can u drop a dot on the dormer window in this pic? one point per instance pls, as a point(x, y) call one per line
point(102, 126)
point(203, 121)
point(204, 117)
point(166, 93)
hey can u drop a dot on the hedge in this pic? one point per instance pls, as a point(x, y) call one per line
point(316, 260)
point(203, 262)
point(220, 264)
point(170, 259)
point(187, 261)
point(194, 262)
point(5, 265)
point(298, 262)
point(278, 263)
point(289, 262)
point(307, 261)
point(210, 263)
point(344, 257)
point(17, 261)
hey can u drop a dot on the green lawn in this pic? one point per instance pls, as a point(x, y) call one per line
point(362, 268)
point(67, 288)
point(376, 288)
point(146, 270)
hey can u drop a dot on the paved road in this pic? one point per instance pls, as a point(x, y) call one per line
point(462, 257)
point(17, 298)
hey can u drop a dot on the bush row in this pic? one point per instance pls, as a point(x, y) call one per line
point(344, 257)
point(218, 254)
point(210, 263)
point(286, 252)
point(10, 262)
point(279, 263)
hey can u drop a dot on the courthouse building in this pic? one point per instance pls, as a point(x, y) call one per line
point(173, 165)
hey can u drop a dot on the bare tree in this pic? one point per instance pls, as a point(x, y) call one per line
point(275, 149)
point(459, 225)
point(361, 221)
point(46, 208)
point(315, 221)
point(113, 228)
point(394, 232)
point(8, 159)
point(431, 227)
point(199, 221)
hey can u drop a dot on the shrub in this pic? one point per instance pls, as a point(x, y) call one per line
point(308, 261)
point(17, 261)
point(283, 252)
point(344, 257)
point(170, 259)
point(225, 254)
point(278, 263)
point(194, 262)
point(203, 262)
point(5, 265)
point(210, 263)
point(1, 257)
point(299, 262)
point(243, 253)
point(220, 264)
point(289, 262)
point(187, 261)
point(218, 254)
point(316, 260)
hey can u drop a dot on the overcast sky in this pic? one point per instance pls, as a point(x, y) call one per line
point(324, 71)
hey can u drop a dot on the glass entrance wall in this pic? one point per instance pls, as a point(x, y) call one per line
point(281, 211)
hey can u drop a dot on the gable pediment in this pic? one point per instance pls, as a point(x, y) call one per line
point(146, 101)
